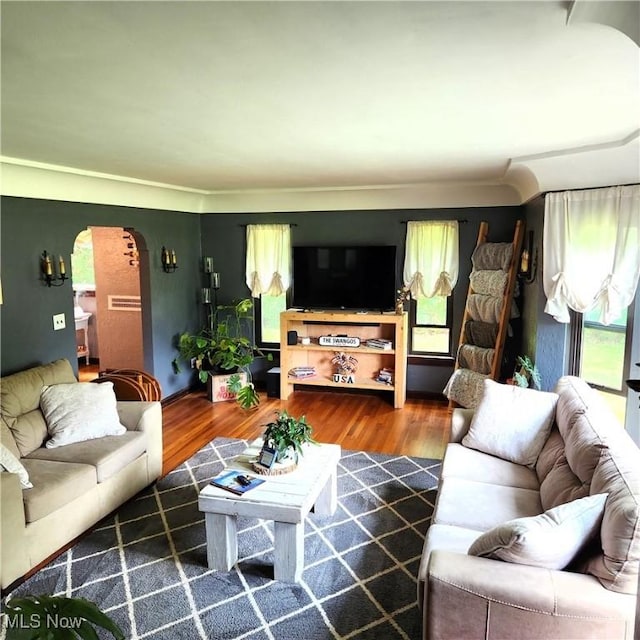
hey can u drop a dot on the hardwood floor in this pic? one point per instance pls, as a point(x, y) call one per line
point(352, 420)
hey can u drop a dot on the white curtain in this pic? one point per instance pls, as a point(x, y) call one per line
point(431, 258)
point(268, 267)
point(591, 251)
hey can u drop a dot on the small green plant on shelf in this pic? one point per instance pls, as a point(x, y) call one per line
point(526, 373)
point(286, 434)
point(56, 618)
point(224, 348)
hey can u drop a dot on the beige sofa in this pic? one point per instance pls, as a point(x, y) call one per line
point(465, 596)
point(75, 485)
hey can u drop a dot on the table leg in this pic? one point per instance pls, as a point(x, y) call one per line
point(222, 541)
point(288, 551)
point(327, 500)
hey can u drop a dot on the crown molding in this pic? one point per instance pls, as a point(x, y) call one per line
point(27, 179)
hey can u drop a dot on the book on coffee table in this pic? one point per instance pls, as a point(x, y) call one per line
point(229, 480)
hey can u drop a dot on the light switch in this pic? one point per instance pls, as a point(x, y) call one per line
point(59, 322)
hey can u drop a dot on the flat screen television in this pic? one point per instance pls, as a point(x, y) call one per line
point(344, 277)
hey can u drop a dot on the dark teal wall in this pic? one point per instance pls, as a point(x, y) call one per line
point(223, 238)
point(29, 226)
point(544, 339)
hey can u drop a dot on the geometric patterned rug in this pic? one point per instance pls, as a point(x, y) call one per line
point(146, 565)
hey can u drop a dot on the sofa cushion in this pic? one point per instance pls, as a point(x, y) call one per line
point(480, 505)
point(55, 484)
point(469, 464)
point(552, 451)
point(108, 455)
point(585, 424)
point(79, 411)
point(20, 402)
point(7, 439)
point(550, 540)
point(511, 422)
point(561, 485)
point(10, 463)
point(618, 473)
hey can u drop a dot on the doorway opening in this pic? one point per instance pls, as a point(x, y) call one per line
point(108, 300)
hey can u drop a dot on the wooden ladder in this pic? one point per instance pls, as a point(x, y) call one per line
point(505, 312)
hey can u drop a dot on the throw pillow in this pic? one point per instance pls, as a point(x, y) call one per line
point(511, 422)
point(79, 411)
point(10, 463)
point(551, 540)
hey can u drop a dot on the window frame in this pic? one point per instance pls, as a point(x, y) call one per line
point(576, 337)
point(413, 323)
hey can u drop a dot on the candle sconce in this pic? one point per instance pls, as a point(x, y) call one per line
point(50, 276)
point(529, 261)
point(169, 260)
point(209, 300)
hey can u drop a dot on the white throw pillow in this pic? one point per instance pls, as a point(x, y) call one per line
point(11, 464)
point(551, 540)
point(512, 422)
point(79, 411)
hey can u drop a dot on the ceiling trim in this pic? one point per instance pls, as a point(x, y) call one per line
point(27, 179)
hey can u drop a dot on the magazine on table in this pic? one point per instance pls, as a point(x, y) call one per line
point(236, 482)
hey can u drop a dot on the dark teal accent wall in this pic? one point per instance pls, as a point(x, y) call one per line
point(223, 238)
point(29, 226)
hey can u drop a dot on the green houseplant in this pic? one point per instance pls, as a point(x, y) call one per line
point(224, 348)
point(56, 618)
point(526, 373)
point(287, 434)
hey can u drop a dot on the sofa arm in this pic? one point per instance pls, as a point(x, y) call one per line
point(14, 561)
point(460, 423)
point(146, 417)
point(470, 597)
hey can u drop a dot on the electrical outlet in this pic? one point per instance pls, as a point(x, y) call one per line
point(59, 322)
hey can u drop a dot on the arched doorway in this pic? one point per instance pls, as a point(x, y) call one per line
point(108, 299)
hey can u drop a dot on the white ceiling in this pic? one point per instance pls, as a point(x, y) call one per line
point(261, 100)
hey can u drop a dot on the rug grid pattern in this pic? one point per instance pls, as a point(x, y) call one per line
point(146, 566)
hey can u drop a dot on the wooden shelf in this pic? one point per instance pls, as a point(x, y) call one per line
point(312, 325)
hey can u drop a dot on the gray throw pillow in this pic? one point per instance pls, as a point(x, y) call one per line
point(80, 411)
point(511, 423)
point(551, 540)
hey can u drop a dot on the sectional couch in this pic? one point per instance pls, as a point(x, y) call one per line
point(54, 494)
point(493, 566)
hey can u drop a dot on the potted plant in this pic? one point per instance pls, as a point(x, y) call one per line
point(526, 373)
point(286, 435)
point(56, 617)
point(223, 348)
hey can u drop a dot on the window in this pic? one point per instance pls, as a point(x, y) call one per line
point(268, 275)
point(268, 311)
point(431, 273)
point(431, 326)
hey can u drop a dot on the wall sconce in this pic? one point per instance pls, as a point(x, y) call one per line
point(529, 261)
point(48, 270)
point(169, 260)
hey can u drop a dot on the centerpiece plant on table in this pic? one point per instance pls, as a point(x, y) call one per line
point(224, 348)
point(286, 435)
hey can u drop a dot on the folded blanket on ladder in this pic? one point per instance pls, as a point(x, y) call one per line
point(475, 358)
point(489, 283)
point(488, 308)
point(465, 387)
point(492, 255)
point(480, 334)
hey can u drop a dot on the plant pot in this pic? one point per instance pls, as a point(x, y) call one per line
point(217, 387)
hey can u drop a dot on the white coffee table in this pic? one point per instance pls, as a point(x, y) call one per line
point(285, 499)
